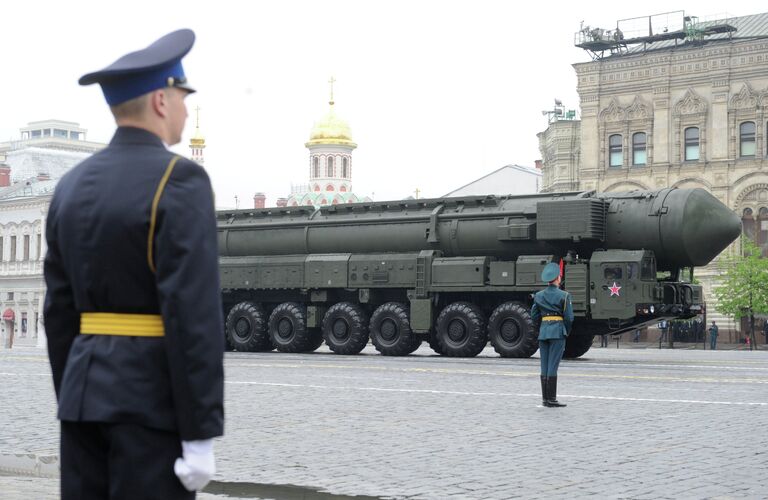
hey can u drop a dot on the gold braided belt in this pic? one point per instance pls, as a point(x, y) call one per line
point(552, 318)
point(128, 325)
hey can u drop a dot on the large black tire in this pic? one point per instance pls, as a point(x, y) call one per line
point(577, 345)
point(345, 328)
point(390, 329)
point(288, 328)
point(511, 331)
point(246, 328)
point(460, 330)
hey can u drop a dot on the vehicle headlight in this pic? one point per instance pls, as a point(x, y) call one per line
point(653, 309)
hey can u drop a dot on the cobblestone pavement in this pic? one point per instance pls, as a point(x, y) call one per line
point(640, 423)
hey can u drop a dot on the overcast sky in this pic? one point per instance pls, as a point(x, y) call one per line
point(438, 93)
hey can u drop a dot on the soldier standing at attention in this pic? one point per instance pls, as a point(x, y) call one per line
point(132, 310)
point(713, 336)
point(553, 308)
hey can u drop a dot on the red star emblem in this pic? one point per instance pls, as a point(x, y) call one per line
point(614, 289)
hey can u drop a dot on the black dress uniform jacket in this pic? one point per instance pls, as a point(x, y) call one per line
point(97, 261)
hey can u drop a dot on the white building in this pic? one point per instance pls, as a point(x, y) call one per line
point(29, 170)
point(509, 179)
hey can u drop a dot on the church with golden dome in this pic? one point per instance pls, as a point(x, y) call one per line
point(330, 148)
point(197, 142)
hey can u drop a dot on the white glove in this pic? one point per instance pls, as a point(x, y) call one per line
point(197, 466)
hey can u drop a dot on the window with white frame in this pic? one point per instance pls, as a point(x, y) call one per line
point(747, 139)
point(639, 151)
point(692, 144)
point(616, 155)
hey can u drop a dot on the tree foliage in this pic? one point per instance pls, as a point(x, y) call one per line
point(744, 288)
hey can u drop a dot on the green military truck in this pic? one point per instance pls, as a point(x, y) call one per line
point(458, 272)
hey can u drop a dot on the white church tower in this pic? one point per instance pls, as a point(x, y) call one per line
point(330, 164)
point(197, 142)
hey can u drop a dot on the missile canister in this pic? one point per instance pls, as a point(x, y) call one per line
point(683, 227)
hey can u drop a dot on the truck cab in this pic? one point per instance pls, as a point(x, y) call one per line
point(624, 288)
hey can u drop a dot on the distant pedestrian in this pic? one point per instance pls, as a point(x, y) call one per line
point(713, 336)
point(636, 338)
point(603, 340)
point(663, 325)
point(765, 331)
point(553, 309)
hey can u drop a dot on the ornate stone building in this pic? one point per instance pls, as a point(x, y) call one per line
point(560, 148)
point(689, 112)
point(29, 170)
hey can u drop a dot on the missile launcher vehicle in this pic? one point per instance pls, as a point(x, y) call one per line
point(460, 272)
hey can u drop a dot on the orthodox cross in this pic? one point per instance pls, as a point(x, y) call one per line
point(331, 81)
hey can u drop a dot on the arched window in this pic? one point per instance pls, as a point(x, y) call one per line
point(747, 139)
point(343, 188)
point(692, 144)
point(614, 149)
point(329, 168)
point(761, 230)
point(748, 224)
point(639, 153)
point(335, 201)
point(315, 167)
point(329, 187)
point(317, 187)
point(345, 168)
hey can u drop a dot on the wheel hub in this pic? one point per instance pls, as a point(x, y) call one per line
point(340, 329)
point(388, 330)
point(510, 331)
point(242, 328)
point(457, 330)
point(285, 328)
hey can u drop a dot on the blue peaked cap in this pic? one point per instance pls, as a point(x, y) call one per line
point(135, 74)
point(550, 273)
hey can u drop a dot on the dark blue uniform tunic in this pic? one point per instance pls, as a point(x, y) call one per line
point(97, 261)
point(552, 333)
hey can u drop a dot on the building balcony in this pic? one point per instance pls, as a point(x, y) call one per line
point(22, 268)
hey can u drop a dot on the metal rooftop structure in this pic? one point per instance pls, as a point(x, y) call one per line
point(645, 31)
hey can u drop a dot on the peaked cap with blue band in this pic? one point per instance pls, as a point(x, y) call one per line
point(550, 273)
point(135, 74)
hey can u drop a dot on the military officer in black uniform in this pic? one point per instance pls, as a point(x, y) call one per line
point(552, 307)
point(132, 309)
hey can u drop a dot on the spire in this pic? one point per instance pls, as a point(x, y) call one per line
point(197, 143)
point(331, 81)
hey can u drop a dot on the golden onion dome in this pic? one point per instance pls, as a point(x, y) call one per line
point(198, 138)
point(331, 130)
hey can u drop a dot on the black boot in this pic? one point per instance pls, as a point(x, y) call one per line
point(552, 393)
point(544, 394)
